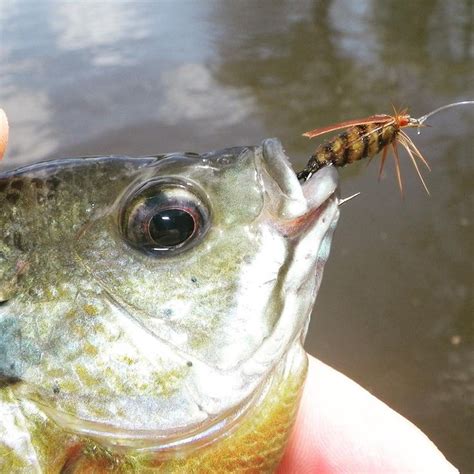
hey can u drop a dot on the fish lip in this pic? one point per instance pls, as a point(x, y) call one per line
point(278, 166)
point(300, 200)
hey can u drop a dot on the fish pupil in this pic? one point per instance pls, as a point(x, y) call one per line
point(171, 227)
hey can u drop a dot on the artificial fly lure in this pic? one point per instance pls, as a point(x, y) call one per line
point(365, 138)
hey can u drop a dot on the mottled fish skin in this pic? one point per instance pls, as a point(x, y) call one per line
point(115, 357)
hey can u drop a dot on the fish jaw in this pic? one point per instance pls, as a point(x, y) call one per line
point(306, 217)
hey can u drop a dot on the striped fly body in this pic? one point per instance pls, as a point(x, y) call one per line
point(365, 138)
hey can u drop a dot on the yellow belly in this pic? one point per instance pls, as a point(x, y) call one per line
point(255, 445)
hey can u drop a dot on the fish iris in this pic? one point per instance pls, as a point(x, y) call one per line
point(164, 216)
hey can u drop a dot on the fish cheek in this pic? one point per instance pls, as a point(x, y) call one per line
point(190, 300)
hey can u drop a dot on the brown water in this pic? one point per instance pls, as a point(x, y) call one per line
point(395, 311)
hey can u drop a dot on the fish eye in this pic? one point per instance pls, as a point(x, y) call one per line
point(164, 217)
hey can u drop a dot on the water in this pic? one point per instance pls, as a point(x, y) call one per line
point(395, 311)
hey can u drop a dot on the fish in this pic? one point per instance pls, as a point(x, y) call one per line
point(153, 309)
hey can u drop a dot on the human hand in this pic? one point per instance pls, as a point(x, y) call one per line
point(3, 133)
point(341, 427)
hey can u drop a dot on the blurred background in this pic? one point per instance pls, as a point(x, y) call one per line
point(395, 310)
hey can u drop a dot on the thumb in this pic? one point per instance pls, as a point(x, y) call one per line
point(343, 428)
point(3, 133)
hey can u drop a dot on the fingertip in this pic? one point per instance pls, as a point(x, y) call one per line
point(3, 132)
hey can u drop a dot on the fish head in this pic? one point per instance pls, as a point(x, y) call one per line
point(151, 303)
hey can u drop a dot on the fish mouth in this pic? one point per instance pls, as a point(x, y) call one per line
point(305, 215)
point(293, 205)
